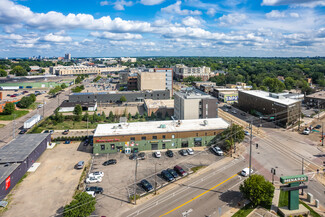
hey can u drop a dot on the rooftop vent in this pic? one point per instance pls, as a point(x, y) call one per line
point(205, 122)
point(162, 125)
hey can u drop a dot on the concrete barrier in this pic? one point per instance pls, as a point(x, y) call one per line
point(317, 203)
point(310, 197)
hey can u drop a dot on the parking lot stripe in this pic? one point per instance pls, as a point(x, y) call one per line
point(200, 195)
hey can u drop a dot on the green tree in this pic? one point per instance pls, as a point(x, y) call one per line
point(32, 97)
point(123, 99)
point(137, 115)
point(86, 116)
point(129, 116)
point(77, 110)
point(19, 71)
point(64, 85)
point(258, 190)
point(9, 108)
point(111, 117)
point(103, 115)
point(82, 205)
point(289, 83)
point(3, 73)
point(232, 134)
point(274, 85)
point(25, 102)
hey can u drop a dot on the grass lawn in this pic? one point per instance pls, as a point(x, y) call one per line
point(312, 212)
point(246, 210)
point(17, 113)
point(283, 200)
point(195, 169)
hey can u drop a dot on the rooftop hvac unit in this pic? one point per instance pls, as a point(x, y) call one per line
point(162, 125)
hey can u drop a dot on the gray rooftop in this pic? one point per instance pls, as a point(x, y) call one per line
point(192, 93)
point(6, 170)
point(20, 148)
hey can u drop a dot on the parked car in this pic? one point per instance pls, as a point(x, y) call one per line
point(318, 126)
point(40, 106)
point(93, 180)
point(180, 170)
point(146, 185)
point(97, 190)
point(51, 131)
point(247, 133)
point(109, 162)
point(142, 156)
point(133, 156)
point(92, 193)
point(96, 174)
point(306, 131)
point(245, 172)
point(170, 153)
point(243, 114)
point(80, 164)
point(166, 175)
point(65, 132)
point(183, 152)
point(234, 111)
point(13, 95)
point(23, 131)
point(190, 151)
point(157, 154)
point(217, 150)
point(25, 91)
point(226, 110)
point(173, 172)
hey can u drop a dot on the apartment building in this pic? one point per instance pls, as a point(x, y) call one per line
point(316, 100)
point(181, 71)
point(128, 59)
point(194, 104)
point(169, 77)
point(80, 70)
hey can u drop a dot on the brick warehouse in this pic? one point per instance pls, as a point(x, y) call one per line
point(156, 135)
point(18, 156)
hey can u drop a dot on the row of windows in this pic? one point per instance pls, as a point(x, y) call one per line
point(164, 136)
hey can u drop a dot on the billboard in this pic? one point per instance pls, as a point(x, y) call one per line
point(231, 98)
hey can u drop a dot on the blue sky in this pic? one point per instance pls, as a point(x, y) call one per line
point(109, 28)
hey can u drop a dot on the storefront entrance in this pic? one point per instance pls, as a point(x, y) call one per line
point(154, 146)
point(184, 144)
point(197, 142)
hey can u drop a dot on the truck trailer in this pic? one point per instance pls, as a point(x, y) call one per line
point(32, 121)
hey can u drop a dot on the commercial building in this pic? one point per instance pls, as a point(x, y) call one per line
point(194, 104)
point(156, 135)
point(168, 77)
point(67, 56)
point(67, 106)
point(114, 97)
point(151, 81)
point(82, 70)
point(132, 82)
point(284, 111)
point(159, 107)
point(228, 97)
point(181, 71)
point(316, 100)
point(199, 83)
point(18, 156)
point(128, 59)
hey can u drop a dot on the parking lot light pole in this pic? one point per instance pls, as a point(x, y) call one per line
point(135, 182)
point(155, 178)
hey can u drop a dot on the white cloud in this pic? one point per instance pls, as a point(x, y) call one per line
point(116, 36)
point(211, 12)
point(191, 21)
point(295, 15)
point(176, 9)
point(118, 4)
point(232, 19)
point(151, 2)
point(275, 14)
point(11, 37)
point(103, 3)
point(56, 38)
point(302, 3)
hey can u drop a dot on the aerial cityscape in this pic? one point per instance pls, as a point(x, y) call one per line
point(151, 108)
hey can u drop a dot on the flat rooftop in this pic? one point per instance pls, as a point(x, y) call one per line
point(149, 127)
point(168, 103)
point(318, 95)
point(266, 95)
point(66, 103)
point(21, 147)
point(191, 93)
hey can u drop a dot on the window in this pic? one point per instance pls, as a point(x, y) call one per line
point(205, 134)
point(214, 133)
point(163, 146)
point(154, 137)
point(143, 138)
point(132, 138)
point(164, 136)
point(102, 147)
point(112, 146)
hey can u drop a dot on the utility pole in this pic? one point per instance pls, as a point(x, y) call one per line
point(87, 129)
point(135, 182)
point(299, 116)
point(318, 110)
point(155, 178)
point(235, 141)
point(322, 135)
point(302, 171)
point(43, 107)
point(250, 149)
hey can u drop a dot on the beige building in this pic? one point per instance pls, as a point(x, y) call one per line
point(181, 71)
point(151, 81)
point(80, 70)
point(164, 107)
point(128, 59)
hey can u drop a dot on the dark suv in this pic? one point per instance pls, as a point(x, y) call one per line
point(97, 190)
point(169, 153)
point(109, 162)
point(146, 185)
point(166, 175)
point(173, 172)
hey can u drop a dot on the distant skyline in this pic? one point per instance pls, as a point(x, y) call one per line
point(112, 28)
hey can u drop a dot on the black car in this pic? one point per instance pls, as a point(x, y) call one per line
point(173, 172)
point(170, 153)
point(97, 190)
point(133, 156)
point(23, 131)
point(166, 175)
point(142, 156)
point(146, 185)
point(318, 126)
point(109, 162)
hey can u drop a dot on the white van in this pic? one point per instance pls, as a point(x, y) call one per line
point(245, 172)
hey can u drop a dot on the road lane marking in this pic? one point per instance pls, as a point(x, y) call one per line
point(199, 195)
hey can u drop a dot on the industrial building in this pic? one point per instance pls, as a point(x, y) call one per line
point(18, 156)
point(163, 107)
point(284, 111)
point(156, 135)
point(316, 100)
point(67, 106)
point(114, 97)
point(194, 104)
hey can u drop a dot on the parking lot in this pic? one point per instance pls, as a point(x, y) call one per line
point(118, 181)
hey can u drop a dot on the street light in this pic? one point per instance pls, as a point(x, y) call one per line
point(156, 177)
point(273, 171)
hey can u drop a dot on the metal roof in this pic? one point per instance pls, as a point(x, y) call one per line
point(20, 148)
